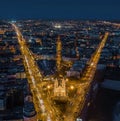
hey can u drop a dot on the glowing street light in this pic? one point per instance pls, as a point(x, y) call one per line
point(67, 80)
point(71, 87)
point(48, 86)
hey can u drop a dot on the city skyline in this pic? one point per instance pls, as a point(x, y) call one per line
point(60, 9)
point(59, 70)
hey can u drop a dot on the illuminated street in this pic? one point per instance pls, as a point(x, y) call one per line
point(35, 79)
point(78, 102)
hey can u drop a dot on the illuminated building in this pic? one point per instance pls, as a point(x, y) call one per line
point(59, 88)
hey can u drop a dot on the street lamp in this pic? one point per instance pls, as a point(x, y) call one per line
point(66, 79)
point(71, 87)
point(48, 86)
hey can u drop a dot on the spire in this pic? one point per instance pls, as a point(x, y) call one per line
point(59, 89)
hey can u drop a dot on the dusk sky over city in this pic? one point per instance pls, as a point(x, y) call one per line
point(60, 9)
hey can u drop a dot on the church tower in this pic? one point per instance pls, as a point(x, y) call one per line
point(59, 88)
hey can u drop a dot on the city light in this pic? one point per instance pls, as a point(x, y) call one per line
point(57, 26)
point(71, 87)
point(48, 86)
point(59, 85)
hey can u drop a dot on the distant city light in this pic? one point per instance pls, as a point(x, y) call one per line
point(30, 40)
point(58, 26)
point(13, 21)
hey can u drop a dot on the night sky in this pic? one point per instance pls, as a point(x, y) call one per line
point(60, 9)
